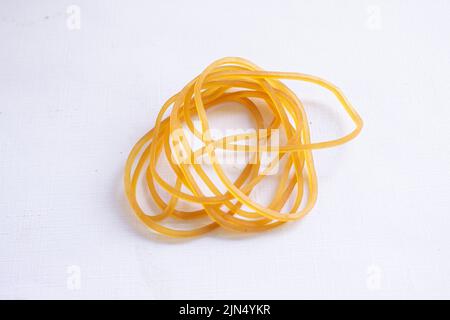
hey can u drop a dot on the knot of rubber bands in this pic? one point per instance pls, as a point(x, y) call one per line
point(284, 144)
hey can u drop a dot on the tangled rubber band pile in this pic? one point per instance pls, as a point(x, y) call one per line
point(240, 81)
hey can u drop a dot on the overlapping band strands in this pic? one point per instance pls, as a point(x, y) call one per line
point(240, 81)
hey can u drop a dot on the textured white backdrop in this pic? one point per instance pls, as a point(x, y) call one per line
point(73, 101)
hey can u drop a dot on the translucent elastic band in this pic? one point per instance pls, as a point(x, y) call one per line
point(240, 81)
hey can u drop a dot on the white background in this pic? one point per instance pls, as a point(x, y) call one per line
point(74, 101)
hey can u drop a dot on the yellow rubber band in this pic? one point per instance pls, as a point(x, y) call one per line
point(231, 80)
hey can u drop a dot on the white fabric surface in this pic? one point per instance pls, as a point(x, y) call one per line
point(75, 95)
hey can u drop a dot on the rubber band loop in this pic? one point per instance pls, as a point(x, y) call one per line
point(231, 80)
